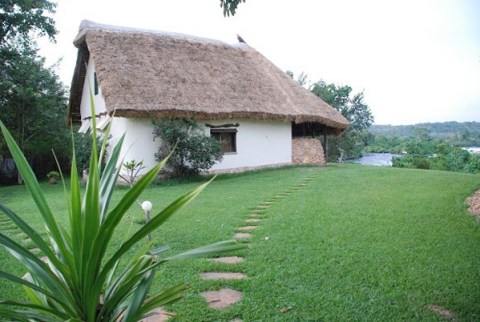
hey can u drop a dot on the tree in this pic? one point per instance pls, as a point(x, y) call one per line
point(193, 150)
point(32, 104)
point(19, 18)
point(302, 79)
point(352, 142)
point(32, 98)
point(230, 6)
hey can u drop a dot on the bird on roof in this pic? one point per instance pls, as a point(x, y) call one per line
point(240, 39)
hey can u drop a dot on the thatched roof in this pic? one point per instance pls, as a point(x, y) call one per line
point(154, 74)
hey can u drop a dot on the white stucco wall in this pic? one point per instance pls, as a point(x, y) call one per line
point(138, 144)
point(259, 143)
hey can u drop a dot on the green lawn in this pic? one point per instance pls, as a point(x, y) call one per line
point(354, 243)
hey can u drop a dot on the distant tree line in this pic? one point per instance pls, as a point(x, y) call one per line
point(464, 134)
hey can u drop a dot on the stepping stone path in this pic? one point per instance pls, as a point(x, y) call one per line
point(223, 298)
point(219, 276)
point(443, 312)
point(228, 260)
point(242, 235)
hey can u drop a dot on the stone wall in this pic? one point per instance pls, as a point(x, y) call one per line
point(307, 151)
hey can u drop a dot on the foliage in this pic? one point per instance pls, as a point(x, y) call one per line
point(464, 134)
point(83, 148)
point(33, 106)
point(420, 144)
point(19, 18)
point(81, 279)
point(446, 158)
point(32, 99)
point(131, 170)
point(193, 150)
point(383, 144)
point(302, 78)
point(53, 174)
point(413, 161)
point(230, 6)
point(351, 143)
point(424, 152)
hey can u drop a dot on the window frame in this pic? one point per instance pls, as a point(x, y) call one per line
point(217, 133)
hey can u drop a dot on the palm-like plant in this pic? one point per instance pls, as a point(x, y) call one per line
point(77, 280)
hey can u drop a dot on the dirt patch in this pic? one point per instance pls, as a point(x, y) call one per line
point(474, 203)
point(440, 310)
point(222, 298)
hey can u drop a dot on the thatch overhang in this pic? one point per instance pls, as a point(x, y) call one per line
point(164, 75)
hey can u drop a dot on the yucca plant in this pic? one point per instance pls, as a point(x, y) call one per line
point(77, 280)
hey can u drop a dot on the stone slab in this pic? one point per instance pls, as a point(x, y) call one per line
point(228, 260)
point(222, 298)
point(222, 275)
point(242, 235)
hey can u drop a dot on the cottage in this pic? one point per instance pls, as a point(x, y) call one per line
point(263, 117)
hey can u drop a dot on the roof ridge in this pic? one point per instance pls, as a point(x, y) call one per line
point(86, 25)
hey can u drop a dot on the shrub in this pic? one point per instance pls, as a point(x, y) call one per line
point(412, 161)
point(83, 148)
point(53, 174)
point(191, 149)
point(53, 177)
point(131, 170)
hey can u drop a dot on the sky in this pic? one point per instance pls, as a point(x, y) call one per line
point(415, 61)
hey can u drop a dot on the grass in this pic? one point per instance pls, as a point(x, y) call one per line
point(354, 243)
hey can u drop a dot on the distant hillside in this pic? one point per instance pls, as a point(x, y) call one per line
point(458, 133)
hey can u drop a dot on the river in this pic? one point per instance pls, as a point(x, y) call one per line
point(378, 159)
point(385, 159)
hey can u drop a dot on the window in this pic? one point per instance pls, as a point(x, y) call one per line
point(227, 138)
point(95, 84)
